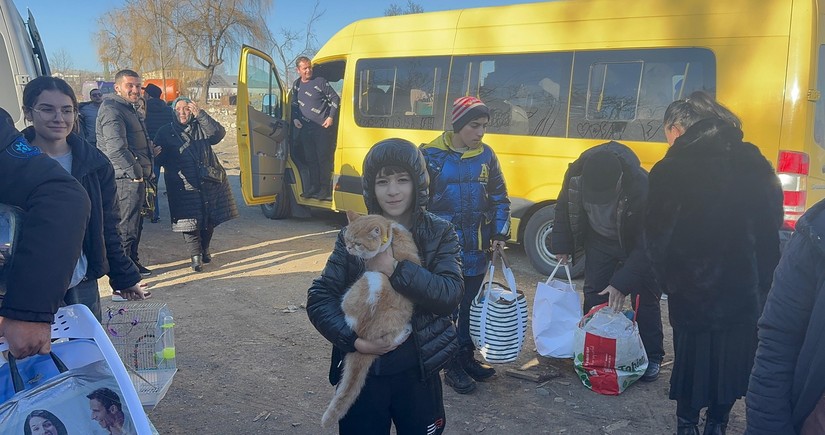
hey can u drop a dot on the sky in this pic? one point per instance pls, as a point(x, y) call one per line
point(70, 25)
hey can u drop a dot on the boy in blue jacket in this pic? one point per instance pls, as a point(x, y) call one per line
point(468, 189)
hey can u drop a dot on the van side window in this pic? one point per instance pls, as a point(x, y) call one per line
point(401, 92)
point(527, 93)
point(8, 93)
point(623, 94)
point(263, 86)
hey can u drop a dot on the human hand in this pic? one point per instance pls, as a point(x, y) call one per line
point(374, 347)
point(26, 338)
point(383, 262)
point(615, 299)
point(327, 122)
point(297, 123)
point(136, 292)
point(194, 108)
point(498, 244)
point(563, 259)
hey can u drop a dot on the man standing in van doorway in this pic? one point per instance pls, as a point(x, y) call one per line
point(601, 207)
point(121, 135)
point(314, 107)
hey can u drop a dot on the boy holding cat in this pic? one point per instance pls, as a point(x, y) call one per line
point(403, 386)
point(471, 193)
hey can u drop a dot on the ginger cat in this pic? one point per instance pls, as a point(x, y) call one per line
point(372, 308)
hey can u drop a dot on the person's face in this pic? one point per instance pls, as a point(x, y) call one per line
point(395, 195)
point(305, 71)
point(41, 426)
point(101, 415)
point(128, 88)
point(52, 115)
point(472, 133)
point(183, 110)
point(672, 133)
point(96, 96)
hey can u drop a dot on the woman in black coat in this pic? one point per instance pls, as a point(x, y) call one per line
point(199, 194)
point(712, 234)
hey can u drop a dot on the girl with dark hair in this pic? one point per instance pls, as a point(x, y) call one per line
point(50, 105)
point(403, 386)
point(712, 235)
point(42, 422)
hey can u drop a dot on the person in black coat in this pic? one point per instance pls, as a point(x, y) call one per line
point(785, 393)
point(49, 104)
point(158, 114)
point(56, 213)
point(712, 235)
point(199, 194)
point(403, 385)
point(601, 207)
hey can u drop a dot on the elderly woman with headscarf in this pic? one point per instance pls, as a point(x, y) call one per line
point(199, 194)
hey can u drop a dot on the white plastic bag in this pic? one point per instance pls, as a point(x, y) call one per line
point(610, 355)
point(557, 310)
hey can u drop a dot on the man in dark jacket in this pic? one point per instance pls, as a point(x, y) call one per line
point(785, 393)
point(87, 116)
point(403, 385)
point(158, 114)
point(314, 108)
point(47, 249)
point(122, 137)
point(601, 207)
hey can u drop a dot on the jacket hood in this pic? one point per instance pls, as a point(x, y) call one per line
point(155, 105)
point(812, 224)
point(10, 136)
point(395, 152)
point(705, 137)
point(444, 142)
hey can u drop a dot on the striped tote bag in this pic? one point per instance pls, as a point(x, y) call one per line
point(498, 316)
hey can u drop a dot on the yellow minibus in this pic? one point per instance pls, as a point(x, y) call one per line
point(559, 78)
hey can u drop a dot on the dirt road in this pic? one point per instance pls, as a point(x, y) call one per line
point(250, 361)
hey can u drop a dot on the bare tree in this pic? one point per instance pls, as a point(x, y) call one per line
point(208, 27)
point(61, 62)
point(291, 43)
point(395, 9)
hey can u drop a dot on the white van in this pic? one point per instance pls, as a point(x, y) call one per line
point(22, 58)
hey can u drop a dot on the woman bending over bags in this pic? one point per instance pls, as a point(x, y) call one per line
point(403, 386)
point(200, 197)
point(712, 234)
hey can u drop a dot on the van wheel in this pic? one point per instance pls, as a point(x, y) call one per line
point(537, 244)
point(278, 209)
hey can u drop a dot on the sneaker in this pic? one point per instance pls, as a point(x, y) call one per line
point(311, 192)
point(652, 372)
point(458, 379)
point(143, 270)
point(116, 297)
point(476, 369)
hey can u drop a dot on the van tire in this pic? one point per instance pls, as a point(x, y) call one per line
point(537, 244)
point(279, 209)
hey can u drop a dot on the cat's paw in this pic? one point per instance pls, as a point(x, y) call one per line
point(402, 337)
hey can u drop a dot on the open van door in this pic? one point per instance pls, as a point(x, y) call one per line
point(37, 46)
point(262, 132)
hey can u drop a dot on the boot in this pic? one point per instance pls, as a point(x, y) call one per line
point(686, 426)
point(715, 428)
point(206, 257)
point(458, 379)
point(716, 422)
point(311, 192)
point(476, 369)
point(197, 263)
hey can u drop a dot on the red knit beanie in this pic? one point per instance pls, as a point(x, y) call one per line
point(466, 109)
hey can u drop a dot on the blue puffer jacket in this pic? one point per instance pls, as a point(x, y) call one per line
point(468, 190)
point(788, 377)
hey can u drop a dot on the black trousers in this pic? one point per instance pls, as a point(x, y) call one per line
point(603, 258)
point(318, 150)
point(197, 242)
point(415, 407)
point(130, 197)
point(472, 284)
point(86, 293)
